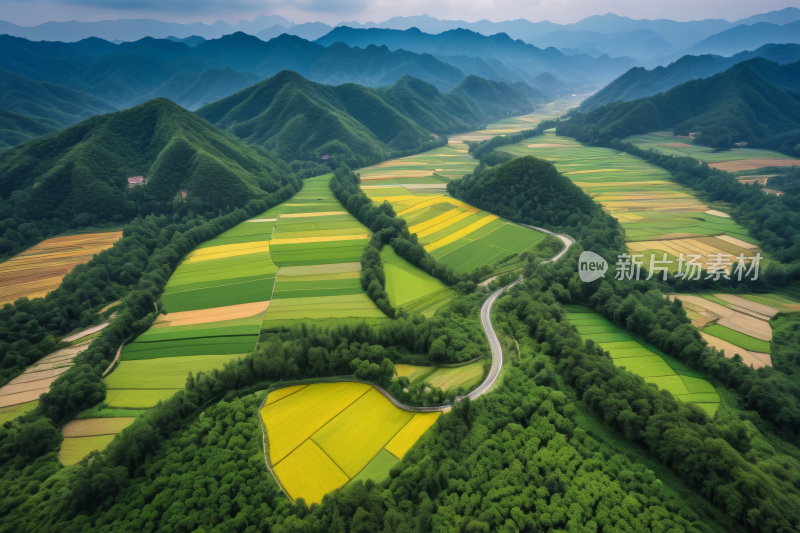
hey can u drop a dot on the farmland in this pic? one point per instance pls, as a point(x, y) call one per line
point(21, 394)
point(737, 324)
point(659, 215)
point(410, 288)
point(40, 269)
point(445, 378)
point(322, 436)
point(645, 360)
point(317, 248)
point(731, 160)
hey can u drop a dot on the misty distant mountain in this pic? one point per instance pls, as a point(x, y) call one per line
point(135, 29)
point(640, 82)
point(678, 34)
point(517, 55)
point(213, 69)
point(191, 41)
point(641, 44)
point(740, 38)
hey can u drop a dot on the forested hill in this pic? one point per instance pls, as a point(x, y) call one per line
point(639, 82)
point(80, 175)
point(754, 101)
point(302, 120)
point(529, 190)
point(16, 128)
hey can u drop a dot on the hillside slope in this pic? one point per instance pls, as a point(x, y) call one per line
point(42, 99)
point(750, 102)
point(16, 128)
point(640, 83)
point(84, 169)
point(304, 120)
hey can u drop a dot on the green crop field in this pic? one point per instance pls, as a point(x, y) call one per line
point(738, 339)
point(165, 373)
point(666, 142)
point(658, 215)
point(405, 282)
point(645, 360)
point(378, 469)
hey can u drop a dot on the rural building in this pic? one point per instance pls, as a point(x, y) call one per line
point(325, 157)
point(740, 145)
point(435, 136)
point(136, 180)
point(183, 195)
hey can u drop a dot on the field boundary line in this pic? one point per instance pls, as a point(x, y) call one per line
point(116, 357)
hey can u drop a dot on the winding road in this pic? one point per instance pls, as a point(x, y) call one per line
point(486, 320)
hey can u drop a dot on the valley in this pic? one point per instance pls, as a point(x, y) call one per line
point(414, 276)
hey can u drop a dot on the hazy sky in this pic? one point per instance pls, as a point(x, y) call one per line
point(32, 12)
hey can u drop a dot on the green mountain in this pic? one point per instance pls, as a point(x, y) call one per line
point(43, 99)
point(84, 168)
point(193, 91)
point(16, 128)
point(302, 120)
point(639, 82)
point(496, 99)
point(529, 190)
point(754, 101)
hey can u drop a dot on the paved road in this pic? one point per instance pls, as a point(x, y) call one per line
point(494, 343)
point(486, 321)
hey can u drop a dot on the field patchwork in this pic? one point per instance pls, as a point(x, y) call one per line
point(324, 435)
point(736, 323)
point(40, 269)
point(659, 215)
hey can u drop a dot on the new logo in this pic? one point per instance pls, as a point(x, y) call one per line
point(591, 266)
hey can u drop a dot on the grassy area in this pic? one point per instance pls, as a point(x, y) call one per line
point(446, 378)
point(666, 142)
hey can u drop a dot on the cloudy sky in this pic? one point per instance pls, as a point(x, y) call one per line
point(32, 12)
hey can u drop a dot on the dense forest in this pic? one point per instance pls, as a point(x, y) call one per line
point(750, 102)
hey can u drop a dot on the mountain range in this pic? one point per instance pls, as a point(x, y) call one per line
point(639, 82)
point(678, 34)
point(525, 59)
point(299, 119)
point(755, 101)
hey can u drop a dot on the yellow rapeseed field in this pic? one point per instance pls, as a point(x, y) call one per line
point(280, 394)
point(309, 474)
point(297, 417)
point(411, 432)
point(463, 232)
point(359, 432)
point(227, 250)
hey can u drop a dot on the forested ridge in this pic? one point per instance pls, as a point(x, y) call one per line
point(750, 102)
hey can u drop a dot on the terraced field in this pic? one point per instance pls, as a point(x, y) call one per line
point(645, 360)
point(322, 436)
point(732, 160)
point(659, 215)
point(40, 269)
point(317, 248)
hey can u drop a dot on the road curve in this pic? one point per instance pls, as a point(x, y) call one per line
point(494, 344)
point(486, 320)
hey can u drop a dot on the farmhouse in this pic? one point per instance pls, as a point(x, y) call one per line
point(136, 180)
